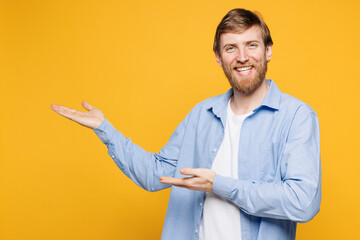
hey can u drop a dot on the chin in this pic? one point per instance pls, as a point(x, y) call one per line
point(246, 86)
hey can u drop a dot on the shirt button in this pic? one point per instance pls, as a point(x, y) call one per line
point(214, 150)
point(201, 204)
point(112, 156)
point(196, 231)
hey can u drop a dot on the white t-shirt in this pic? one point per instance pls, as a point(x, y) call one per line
point(221, 218)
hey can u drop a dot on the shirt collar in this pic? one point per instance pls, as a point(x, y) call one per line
point(272, 97)
point(271, 100)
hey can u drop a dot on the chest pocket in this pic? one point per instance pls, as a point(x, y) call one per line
point(259, 162)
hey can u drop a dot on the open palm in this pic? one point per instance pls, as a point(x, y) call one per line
point(91, 119)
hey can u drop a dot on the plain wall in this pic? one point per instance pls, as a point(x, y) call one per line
point(145, 64)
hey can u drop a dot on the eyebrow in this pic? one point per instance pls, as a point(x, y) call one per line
point(247, 42)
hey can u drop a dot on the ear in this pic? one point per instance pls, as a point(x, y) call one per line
point(268, 52)
point(218, 59)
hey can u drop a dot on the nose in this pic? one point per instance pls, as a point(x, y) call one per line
point(242, 56)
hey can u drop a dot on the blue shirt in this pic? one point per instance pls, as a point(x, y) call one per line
point(279, 166)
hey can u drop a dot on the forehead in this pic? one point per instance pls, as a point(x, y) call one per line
point(251, 34)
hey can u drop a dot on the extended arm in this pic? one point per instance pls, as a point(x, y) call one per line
point(144, 168)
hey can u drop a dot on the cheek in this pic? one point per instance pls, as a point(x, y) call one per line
point(227, 61)
point(258, 57)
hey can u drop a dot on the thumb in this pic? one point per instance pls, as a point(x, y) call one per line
point(87, 105)
point(189, 171)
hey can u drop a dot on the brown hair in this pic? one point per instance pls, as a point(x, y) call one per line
point(238, 20)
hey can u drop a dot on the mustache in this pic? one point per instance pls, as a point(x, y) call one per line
point(237, 65)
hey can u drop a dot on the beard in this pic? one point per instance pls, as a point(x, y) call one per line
point(247, 84)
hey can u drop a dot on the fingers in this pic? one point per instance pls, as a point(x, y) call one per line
point(201, 179)
point(61, 108)
point(64, 111)
point(174, 181)
point(179, 181)
point(87, 105)
point(189, 171)
point(191, 183)
point(91, 119)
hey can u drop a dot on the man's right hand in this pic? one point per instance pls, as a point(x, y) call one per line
point(91, 119)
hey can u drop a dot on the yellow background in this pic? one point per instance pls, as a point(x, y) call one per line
point(145, 64)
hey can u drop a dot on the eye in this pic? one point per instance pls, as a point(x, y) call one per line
point(230, 48)
point(253, 45)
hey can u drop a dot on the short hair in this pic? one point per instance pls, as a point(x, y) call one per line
point(239, 20)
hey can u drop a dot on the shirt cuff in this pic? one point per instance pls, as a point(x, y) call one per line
point(105, 131)
point(223, 186)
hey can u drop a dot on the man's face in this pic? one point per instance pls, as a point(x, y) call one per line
point(244, 59)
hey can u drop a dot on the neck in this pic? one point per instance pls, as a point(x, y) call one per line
point(242, 104)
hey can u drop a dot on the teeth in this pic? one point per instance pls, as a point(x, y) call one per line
point(241, 69)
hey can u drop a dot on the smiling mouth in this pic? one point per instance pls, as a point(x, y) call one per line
point(243, 69)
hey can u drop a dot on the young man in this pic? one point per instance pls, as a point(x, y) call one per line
point(243, 165)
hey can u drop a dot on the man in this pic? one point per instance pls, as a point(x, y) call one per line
point(242, 165)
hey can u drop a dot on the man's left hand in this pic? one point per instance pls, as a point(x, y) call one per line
point(201, 179)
